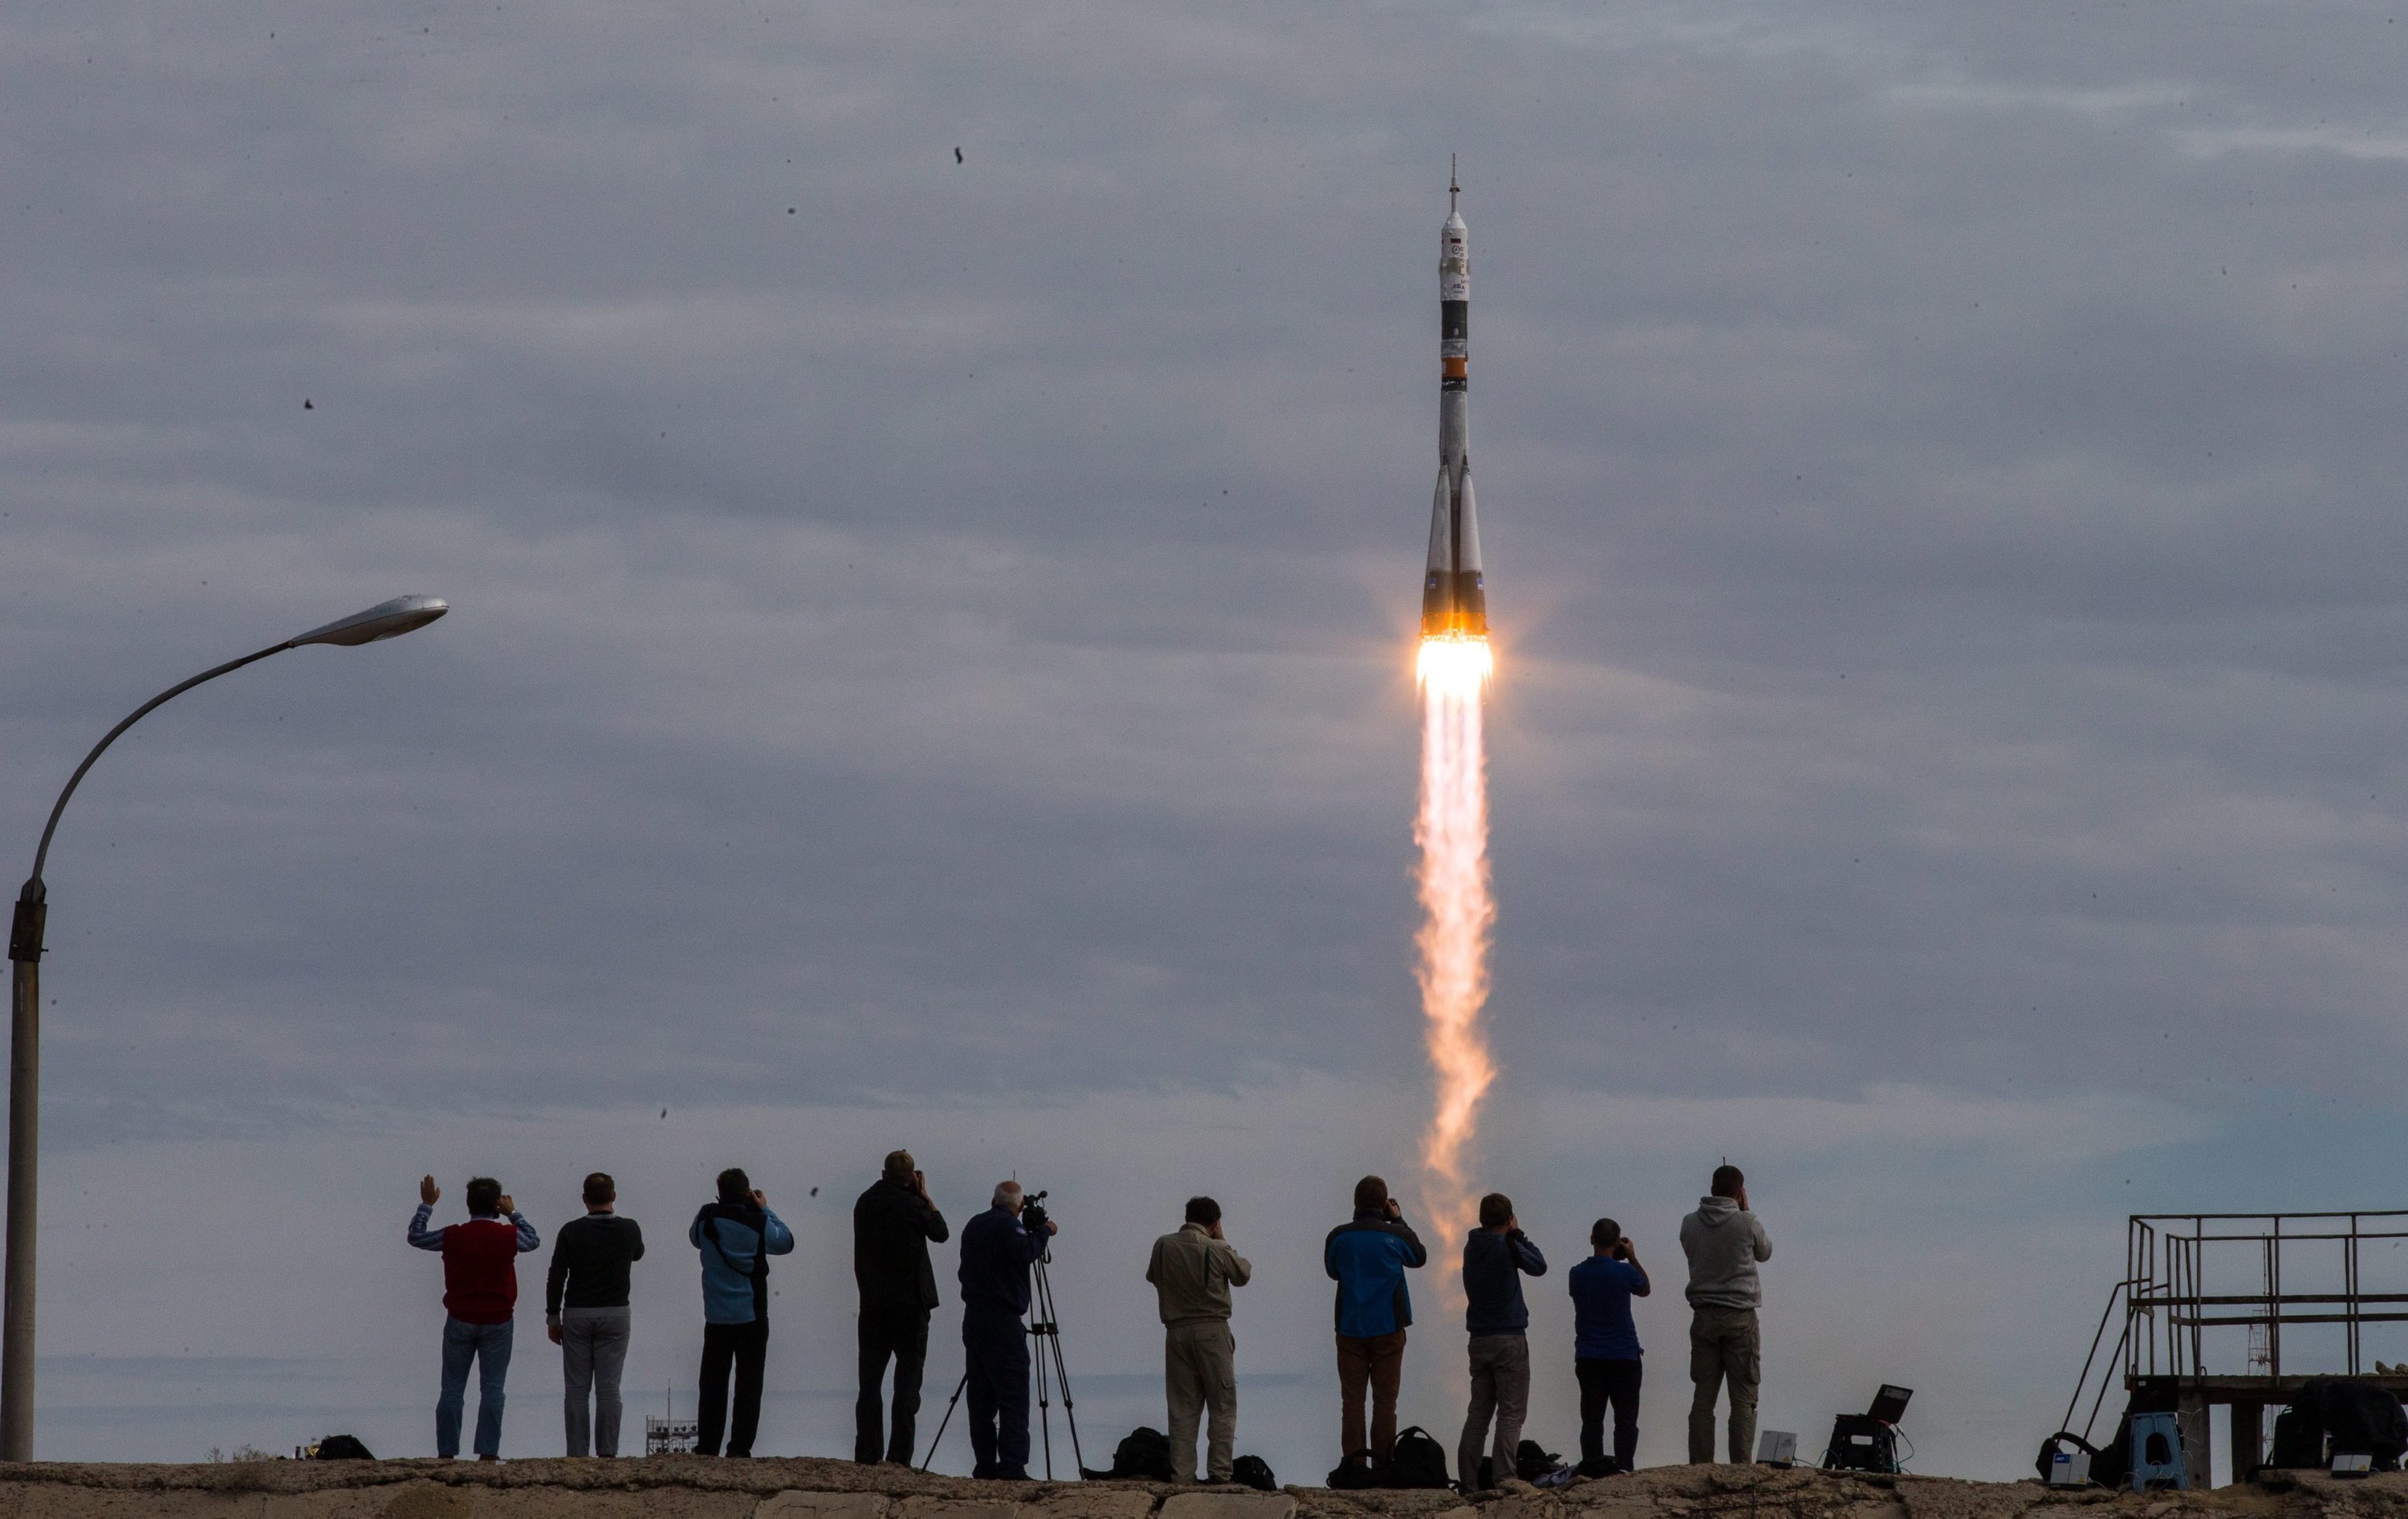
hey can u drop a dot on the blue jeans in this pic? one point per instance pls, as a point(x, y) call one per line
point(489, 1346)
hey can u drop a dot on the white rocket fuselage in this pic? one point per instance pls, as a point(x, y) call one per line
point(1454, 597)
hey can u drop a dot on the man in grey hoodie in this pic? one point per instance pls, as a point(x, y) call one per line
point(1724, 1242)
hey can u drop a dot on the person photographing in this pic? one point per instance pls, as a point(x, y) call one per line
point(1192, 1271)
point(998, 1249)
point(893, 1223)
point(1368, 1258)
point(1605, 1347)
point(737, 1235)
point(1496, 1257)
point(1725, 1244)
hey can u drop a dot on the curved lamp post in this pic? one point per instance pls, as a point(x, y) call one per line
point(385, 619)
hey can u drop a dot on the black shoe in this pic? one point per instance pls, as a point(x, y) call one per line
point(1012, 1474)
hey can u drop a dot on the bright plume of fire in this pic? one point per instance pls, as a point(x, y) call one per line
point(1459, 914)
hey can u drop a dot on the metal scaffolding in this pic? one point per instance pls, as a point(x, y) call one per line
point(2189, 1274)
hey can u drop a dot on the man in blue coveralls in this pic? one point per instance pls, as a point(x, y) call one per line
point(996, 1251)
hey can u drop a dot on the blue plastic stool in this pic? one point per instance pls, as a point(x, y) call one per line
point(2157, 1452)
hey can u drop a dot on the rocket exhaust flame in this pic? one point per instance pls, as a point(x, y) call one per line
point(1459, 914)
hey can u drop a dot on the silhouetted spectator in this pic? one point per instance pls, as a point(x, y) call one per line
point(1724, 1243)
point(894, 1223)
point(585, 1312)
point(1192, 1271)
point(736, 1236)
point(1605, 1347)
point(1495, 1259)
point(481, 1292)
point(997, 1253)
point(1368, 1258)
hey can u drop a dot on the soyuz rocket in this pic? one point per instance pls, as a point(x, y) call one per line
point(1455, 599)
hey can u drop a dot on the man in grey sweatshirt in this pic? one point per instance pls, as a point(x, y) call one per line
point(1724, 1242)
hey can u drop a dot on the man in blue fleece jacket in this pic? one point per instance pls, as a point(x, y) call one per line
point(736, 1236)
point(1495, 1259)
point(1368, 1258)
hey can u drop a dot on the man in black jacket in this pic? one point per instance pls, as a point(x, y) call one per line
point(894, 1223)
point(585, 1312)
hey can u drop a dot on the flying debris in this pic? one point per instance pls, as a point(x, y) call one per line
point(1454, 597)
point(957, 155)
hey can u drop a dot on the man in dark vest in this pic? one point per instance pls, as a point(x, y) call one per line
point(480, 1293)
point(894, 1223)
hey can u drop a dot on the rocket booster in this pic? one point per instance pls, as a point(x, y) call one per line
point(1454, 597)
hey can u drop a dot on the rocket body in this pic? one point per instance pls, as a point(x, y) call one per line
point(1454, 597)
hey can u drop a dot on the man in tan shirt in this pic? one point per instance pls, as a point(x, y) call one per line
point(1192, 1272)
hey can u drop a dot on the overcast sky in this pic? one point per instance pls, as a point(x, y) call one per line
point(930, 657)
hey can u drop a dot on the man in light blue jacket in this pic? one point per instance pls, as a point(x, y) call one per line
point(736, 1236)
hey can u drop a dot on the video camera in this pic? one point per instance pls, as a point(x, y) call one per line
point(1032, 1212)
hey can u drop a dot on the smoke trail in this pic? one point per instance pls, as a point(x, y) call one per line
point(1452, 832)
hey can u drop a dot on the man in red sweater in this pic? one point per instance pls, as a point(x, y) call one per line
point(481, 1292)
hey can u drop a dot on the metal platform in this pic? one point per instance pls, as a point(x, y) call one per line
point(2192, 1279)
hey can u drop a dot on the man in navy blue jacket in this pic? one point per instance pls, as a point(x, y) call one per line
point(1605, 1347)
point(1495, 1259)
point(1368, 1258)
point(996, 1251)
point(736, 1236)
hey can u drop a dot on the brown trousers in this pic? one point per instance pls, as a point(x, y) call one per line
point(1378, 1362)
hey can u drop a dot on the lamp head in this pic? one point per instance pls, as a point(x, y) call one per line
point(385, 619)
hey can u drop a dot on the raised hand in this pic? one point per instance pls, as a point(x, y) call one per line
point(427, 1191)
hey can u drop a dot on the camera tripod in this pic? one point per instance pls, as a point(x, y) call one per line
point(1046, 1330)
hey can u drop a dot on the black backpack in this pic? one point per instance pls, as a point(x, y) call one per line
point(1354, 1473)
point(2365, 1417)
point(1253, 1471)
point(1420, 1460)
point(1532, 1461)
point(342, 1448)
point(1142, 1455)
point(2360, 1416)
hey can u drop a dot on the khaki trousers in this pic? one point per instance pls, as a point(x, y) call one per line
point(1724, 1345)
point(1199, 1370)
point(1500, 1388)
point(1378, 1363)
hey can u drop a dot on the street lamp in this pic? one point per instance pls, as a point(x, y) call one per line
point(385, 619)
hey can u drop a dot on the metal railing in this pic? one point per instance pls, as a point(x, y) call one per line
point(2169, 1301)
